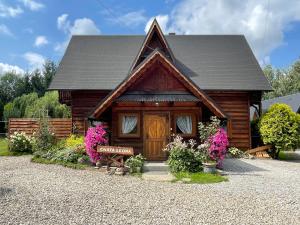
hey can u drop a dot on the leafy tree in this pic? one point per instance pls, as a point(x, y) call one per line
point(283, 81)
point(48, 103)
point(49, 71)
point(11, 86)
point(280, 127)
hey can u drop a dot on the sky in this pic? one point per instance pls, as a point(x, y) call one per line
point(32, 31)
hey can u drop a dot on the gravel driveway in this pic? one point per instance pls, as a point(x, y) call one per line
point(258, 192)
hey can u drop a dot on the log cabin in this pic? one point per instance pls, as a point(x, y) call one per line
point(147, 87)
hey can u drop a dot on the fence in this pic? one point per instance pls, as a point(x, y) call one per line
point(61, 127)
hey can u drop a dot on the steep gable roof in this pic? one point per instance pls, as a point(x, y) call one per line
point(212, 62)
point(138, 72)
point(154, 32)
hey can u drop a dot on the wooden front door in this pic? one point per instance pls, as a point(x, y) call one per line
point(156, 135)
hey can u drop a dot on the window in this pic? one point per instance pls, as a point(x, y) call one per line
point(129, 125)
point(185, 124)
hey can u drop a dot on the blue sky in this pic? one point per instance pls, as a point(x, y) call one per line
point(34, 30)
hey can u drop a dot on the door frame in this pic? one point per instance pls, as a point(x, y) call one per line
point(168, 116)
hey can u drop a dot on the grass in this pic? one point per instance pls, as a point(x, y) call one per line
point(198, 178)
point(4, 151)
point(65, 164)
point(4, 147)
point(287, 155)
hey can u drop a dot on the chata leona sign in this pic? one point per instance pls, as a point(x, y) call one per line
point(114, 154)
point(115, 150)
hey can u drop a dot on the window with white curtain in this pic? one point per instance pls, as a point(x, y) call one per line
point(184, 124)
point(128, 124)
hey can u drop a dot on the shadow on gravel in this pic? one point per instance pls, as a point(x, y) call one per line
point(4, 191)
point(239, 166)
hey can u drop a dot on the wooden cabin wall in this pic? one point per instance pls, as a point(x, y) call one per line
point(236, 105)
point(138, 142)
point(82, 104)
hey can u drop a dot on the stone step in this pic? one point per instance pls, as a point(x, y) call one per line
point(158, 176)
point(155, 166)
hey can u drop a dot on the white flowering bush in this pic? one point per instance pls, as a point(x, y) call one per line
point(20, 142)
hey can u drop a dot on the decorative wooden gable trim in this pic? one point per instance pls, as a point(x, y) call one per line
point(154, 34)
point(157, 56)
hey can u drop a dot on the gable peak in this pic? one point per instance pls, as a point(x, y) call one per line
point(154, 39)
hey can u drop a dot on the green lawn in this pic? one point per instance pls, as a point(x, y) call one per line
point(199, 178)
point(4, 148)
point(288, 155)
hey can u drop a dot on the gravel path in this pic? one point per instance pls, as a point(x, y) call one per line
point(258, 192)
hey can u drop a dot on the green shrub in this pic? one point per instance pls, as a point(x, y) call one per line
point(73, 141)
point(235, 152)
point(183, 157)
point(135, 161)
point(280, 127)
point(45, 137)
point(20, 142)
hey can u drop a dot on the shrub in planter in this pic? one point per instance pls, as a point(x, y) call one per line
point(95, 136)
point(135, 163)
point(215, 138)
point(280, 127)
point(183, 157)
point(20, 142)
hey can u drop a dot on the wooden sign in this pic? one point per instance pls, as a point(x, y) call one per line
point(115, 150)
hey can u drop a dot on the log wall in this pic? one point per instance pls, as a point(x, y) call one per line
point(236, 105)
point(62, 128)
point(82, 104)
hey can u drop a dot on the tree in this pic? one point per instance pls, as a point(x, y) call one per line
point(49, 71)
point(283, 81)
point(11, 86)
point(48, 103)
point(280, 127)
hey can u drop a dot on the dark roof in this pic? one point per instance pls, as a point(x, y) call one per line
point(157, 97)
point(215, 62)
point(291, 100)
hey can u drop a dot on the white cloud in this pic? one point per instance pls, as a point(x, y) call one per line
point(33, 5)
point(84, 26)
point(63, 23)
point(4, 68)
point(162, 21)
point(40, 41)
point(81, 26)
point(9, 11)
point(35, 61)
point(261, 22)
point(131, 19)
point(5, 30)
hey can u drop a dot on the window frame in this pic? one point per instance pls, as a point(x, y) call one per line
point(120, 120)
point(194, 125)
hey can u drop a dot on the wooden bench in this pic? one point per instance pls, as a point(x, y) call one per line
point(260, 152)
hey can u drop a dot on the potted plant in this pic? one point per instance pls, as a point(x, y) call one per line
point(135, 163)
point(208, 164)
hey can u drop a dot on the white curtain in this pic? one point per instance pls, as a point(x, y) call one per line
point(128, 124)
point(185, 124)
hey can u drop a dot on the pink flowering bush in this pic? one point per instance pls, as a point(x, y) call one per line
point(218, 146)
point(95, 136)
point(214, 141)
